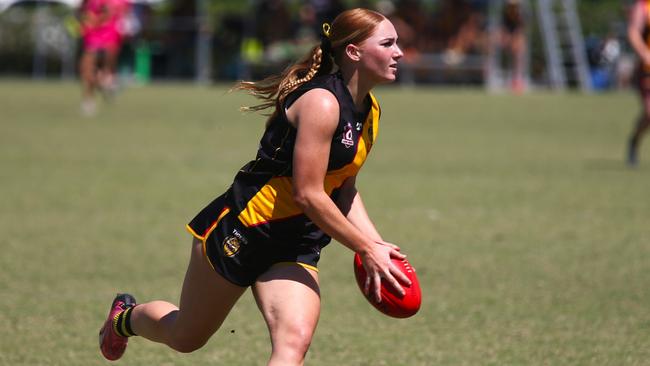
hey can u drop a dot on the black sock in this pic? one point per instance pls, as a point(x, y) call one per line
point(122, 323)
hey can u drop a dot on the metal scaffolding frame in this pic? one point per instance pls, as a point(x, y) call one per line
point(563, 43)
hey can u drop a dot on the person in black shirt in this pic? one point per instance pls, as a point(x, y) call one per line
point(268, 229)
point(513, 40)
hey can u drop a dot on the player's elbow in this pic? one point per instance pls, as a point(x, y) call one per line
point(305, 199)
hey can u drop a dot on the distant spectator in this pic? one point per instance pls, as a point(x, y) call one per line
point(603, 55)
point(102, 40)
point(274, 21)
point(228, 46)
point(512, 38)
point(460, 27)
point(180, 39)
point(412, 24)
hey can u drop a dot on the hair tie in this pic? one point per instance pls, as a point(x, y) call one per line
point(325, 43)
point(326, 29)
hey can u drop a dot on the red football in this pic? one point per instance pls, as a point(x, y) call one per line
point(392, 304)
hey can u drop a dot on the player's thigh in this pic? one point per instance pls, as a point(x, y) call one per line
point(88, 60)
point(112, 55)
point(288, 296)
point(206, 297)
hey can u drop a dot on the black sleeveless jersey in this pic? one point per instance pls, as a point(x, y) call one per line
point(261, 195)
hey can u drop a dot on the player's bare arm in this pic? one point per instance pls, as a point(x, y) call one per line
point(635, 30)
point(311, 154)
point(351, 205)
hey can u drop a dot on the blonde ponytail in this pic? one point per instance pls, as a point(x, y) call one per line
point(273, 90)
point(291, 85)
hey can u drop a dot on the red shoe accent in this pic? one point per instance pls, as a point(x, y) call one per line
point(112, 344)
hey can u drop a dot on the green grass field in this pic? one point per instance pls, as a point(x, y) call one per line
point(529, 234)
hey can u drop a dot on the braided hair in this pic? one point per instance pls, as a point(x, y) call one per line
point(351, 26)
point(273, 90)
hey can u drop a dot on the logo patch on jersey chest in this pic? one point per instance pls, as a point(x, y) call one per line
point(348, 137)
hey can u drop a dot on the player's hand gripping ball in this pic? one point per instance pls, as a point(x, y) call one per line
point(392, 303)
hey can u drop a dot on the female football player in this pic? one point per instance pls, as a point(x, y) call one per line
point(267, 230)
point(639, 36)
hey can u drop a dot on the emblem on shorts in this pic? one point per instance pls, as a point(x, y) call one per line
point(359, 125)
point(347, 136)
point(231, 245)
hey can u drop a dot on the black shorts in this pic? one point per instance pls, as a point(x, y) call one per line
point(240, 254)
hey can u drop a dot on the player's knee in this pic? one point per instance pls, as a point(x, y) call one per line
point(294, 343)
point(287, 356)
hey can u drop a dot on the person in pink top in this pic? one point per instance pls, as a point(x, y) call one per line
point(102, 40)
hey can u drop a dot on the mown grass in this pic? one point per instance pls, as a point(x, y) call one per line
point(528, 232)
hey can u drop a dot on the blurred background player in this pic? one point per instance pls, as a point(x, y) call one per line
point(462, 24)
point(639, 36)
point(267, 231)
point(512, 38)
point(101, 21)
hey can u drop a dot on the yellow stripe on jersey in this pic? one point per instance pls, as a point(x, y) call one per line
point(274, 201)
point(374, 115)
